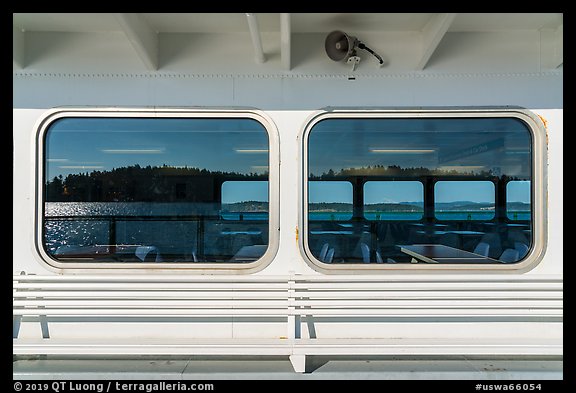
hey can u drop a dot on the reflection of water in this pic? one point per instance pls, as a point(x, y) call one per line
point(178, 233)
point(129, 208)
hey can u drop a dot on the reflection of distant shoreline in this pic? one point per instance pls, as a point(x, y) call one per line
point(459, 206)
point(245, 206)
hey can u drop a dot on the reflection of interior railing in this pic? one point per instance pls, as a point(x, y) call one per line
point(205, 225)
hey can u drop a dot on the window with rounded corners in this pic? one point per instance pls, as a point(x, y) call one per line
point(481, 176)
point(157, 188)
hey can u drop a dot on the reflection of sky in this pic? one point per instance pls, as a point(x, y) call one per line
point(81, 145)
point(240, 191)
point(518, 191)
point(464, 145)
point(393, 192)
point(332, 191)
point(458, 144)
point(473, 191)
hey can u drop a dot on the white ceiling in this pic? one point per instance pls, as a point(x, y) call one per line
point(300, 22)
point(283, 42)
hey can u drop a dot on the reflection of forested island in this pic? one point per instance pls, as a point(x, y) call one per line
point(143, 184)
point(397, 171)
point(246, 206)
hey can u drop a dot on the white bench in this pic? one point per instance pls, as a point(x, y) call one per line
point(300, 303)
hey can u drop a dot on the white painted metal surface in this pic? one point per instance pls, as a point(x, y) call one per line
point(287, 308)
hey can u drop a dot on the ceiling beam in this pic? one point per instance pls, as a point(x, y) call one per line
point(142, 37)
point(18, 58)
point(431, 36)
point(552, 47)
point(256, 40)
point(285, 41)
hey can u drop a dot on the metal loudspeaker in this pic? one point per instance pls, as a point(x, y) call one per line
point(340, 46)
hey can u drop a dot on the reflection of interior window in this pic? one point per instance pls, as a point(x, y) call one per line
point(244, 200)
point(393, 200)
point(518, 200)
point(464, 200)
point(329, 200)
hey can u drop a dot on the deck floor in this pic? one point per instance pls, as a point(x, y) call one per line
point(266, 368)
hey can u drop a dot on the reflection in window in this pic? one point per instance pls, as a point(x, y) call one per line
point(245, 200)
point(464, 200)
point(154, 189)
point(419, 185)
point(518, 200)
point(389, 200)
point(330, 200)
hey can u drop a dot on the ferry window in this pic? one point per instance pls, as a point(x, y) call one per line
point(439, 189)
point(464, 200)
point(393, 200)
point(155, 189)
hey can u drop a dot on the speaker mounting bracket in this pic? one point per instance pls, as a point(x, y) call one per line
point(353, 60)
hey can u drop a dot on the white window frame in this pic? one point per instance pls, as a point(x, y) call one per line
point(538, 191)
point(52, 264)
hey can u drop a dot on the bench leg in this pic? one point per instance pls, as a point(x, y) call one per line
point(298, 363)
point(16, 320)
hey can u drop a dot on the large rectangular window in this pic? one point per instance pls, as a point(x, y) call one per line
point(446, 188)
point(157, 189)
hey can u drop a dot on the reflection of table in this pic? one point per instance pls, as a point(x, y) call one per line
point(468, 233)
point(507, 225)
point(463, 233)
point(256, 232)
point(439, 253)
point(428, 224)
point(331, 232)
point(250, 253)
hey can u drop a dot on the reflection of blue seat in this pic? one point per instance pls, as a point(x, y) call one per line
point(323, 251)
point(329, 256)
point(509, 255)
point(365, 252)
point(482, 249)
point(493, 239)
point(521, 248)
point(148, 254)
